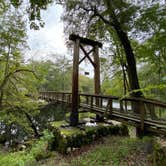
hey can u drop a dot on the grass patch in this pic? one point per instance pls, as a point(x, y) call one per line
point(112, 152)
point(58, 124)
point(83, 115)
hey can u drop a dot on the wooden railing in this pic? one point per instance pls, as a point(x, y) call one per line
point(152, 109)
point(55, 96)
point(151, 113)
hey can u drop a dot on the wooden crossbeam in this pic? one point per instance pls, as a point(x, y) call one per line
point(87, 55)
point(82, 59)
point(86, 41)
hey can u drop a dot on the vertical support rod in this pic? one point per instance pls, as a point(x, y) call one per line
point(74, 108)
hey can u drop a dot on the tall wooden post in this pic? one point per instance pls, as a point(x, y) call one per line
point(96, 70)
point(97, 77)
point(74, 109)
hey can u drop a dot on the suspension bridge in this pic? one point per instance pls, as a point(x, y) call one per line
point(146, 114)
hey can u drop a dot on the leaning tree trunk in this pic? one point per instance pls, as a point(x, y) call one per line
point(131, 63)
point(122, 35)
point(131, 71)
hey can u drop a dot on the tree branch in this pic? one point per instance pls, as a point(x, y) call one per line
point(12, 73)
point(97, 14)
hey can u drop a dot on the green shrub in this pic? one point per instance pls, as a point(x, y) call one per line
point(16, 159)
point(38, 150)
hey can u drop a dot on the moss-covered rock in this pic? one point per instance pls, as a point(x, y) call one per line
point(70, 138)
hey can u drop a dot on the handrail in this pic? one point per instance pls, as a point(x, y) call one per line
point(145, 100)
point(146, 112)
point(55, 92)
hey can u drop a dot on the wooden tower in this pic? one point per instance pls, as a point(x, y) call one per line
point(79, 43)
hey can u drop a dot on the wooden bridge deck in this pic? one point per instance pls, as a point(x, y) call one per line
point(152, 116)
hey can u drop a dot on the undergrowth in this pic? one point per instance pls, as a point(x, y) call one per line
point(39, 150)
point(113, 151)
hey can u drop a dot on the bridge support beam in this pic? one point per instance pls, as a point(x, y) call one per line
point(75, 85)
point(97, 78)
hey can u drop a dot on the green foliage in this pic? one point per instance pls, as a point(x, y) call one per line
point(30, 156)
point(33, 10)
point(40, 149)
point(86, 84)
point(54, 76)
point(113, 87)
point(15, 77)
point(16, 159)
point(12, 42)
point(154, 84)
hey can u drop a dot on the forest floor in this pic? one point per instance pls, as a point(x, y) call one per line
point(108, 151)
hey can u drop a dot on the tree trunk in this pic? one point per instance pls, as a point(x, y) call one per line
point(131, 68)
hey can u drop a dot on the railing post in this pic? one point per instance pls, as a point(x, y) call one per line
point(91, 102)
point(126, 106)
point(87, 100)
point(53, 96)
point(79, 99)
point(110, 106)
point(121, 106)
point(57, 96)
point(152, 111)
point(69, 98)
point(142, 116)
point(63, 96)
point(101, 102)
point(45, 95)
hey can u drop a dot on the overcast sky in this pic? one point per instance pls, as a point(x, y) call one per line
point(47, 41)
point(50, 39)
